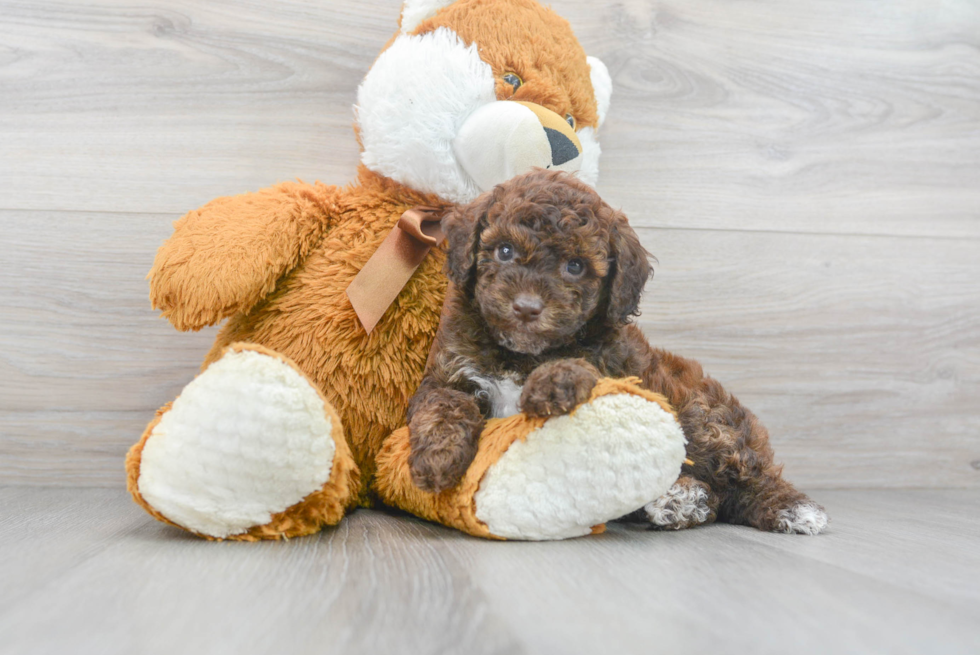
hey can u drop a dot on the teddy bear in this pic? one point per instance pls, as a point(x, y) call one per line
point(332, 296)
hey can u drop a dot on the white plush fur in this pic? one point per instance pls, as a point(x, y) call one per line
point(803, 518)
point(406, 129)
point(680, 505)
point(601, 86)
point(416, 11)
point(500, 140)
point(608, 458)
point(589, 167)
point(247, 438)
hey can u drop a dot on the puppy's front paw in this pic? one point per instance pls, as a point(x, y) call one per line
point(443, 436)
point(558, 387)
point(436, 469)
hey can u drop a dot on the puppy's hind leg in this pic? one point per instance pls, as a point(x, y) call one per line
point(687, 504)
point(731, 449)
point(772, 504)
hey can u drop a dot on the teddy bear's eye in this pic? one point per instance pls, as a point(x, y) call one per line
point(575, 267)
point(514, 80)
point(571, 120)
point(505, 252)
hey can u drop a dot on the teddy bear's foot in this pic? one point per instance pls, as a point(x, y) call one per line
point(249, 450)
point(555, 478)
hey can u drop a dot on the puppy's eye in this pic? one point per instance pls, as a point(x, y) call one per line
point(571, 120)
point(513, 80)
point(504, 252)
point(575, 267)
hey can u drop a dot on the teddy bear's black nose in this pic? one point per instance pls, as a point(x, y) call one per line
point(527, 307)
point(562, 148)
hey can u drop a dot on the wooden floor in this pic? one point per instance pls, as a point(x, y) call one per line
point(86, 571)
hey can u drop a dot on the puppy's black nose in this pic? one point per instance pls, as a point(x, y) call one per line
point(527, 307)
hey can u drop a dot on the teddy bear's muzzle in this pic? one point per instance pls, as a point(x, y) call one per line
point(506, 138)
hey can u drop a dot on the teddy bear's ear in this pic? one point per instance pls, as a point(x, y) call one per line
point(416, 11)
point(601, 85)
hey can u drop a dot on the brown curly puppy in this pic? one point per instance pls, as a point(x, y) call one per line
point(546, 277)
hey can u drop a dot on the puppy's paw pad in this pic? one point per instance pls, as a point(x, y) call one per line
point(803, 518)
point(683, 506)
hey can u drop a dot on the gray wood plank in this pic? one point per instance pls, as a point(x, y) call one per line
point(835, 116)
point(77, 330)
point(45, 533)
point(91, 573)
point(706, 590)
point(68, 448)
point(886, 534)
point(861, 354)
point(827, 117)
point(160, 107)
point(373, 585)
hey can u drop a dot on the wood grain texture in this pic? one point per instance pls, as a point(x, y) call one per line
point(833, 116)
point(85, 571)
point(841, 116)
point(806, 173)
point(864, 374)
point(860, 354)
point(352, 590)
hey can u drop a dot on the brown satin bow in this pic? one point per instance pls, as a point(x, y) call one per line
point(391, 266)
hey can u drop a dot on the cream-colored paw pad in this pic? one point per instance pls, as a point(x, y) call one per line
point(247, 438)
point(611, 457)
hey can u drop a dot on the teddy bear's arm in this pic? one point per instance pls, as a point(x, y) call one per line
point(226, 256)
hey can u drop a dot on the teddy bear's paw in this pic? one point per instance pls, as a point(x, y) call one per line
point(608, 458)
point(246, 439)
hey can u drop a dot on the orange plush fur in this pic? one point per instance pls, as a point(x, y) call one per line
point(329, 233)
point(533, 40)
point(275, 263)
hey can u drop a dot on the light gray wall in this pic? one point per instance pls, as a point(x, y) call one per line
point(807, 173)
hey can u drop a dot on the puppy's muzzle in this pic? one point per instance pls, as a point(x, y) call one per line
point(509, 137)
point(527, 308)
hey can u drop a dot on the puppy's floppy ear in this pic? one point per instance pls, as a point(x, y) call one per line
point(630, 271)
point(462, 227)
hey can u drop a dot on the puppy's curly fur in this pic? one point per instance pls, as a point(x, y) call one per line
point(545, 280)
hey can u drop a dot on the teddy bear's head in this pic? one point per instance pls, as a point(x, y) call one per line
point(470, 93)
